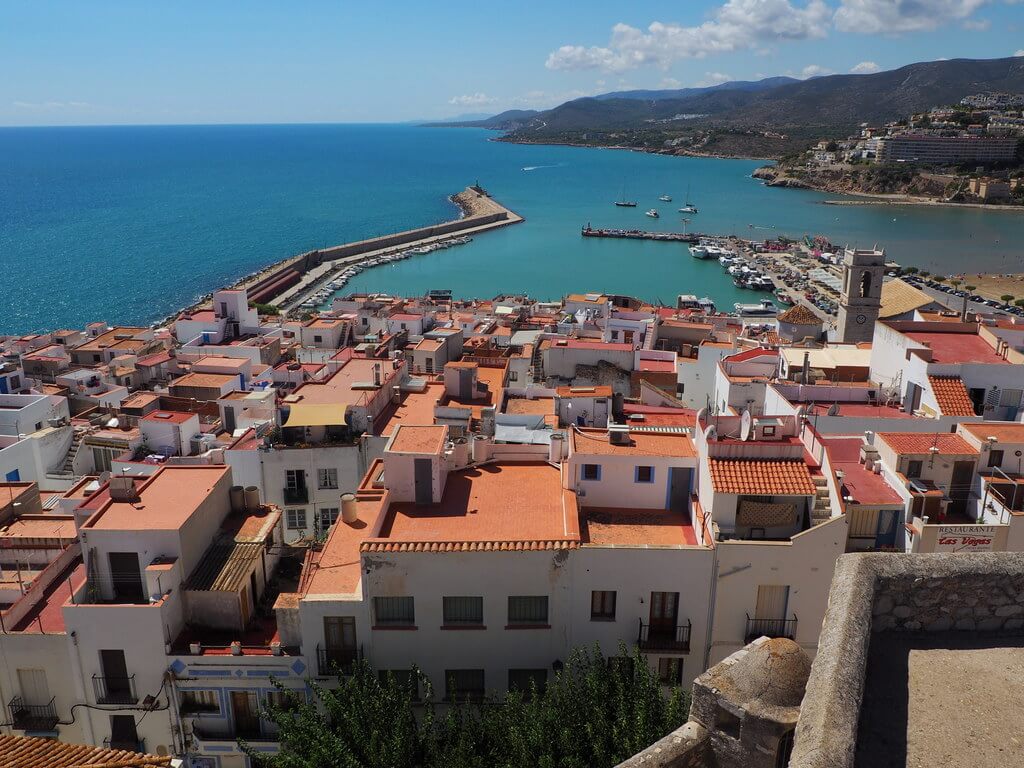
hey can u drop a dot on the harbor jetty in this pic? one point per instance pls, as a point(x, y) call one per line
point(290, 282)
point(691, 238)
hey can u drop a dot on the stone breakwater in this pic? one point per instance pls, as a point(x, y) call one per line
point(300, 273)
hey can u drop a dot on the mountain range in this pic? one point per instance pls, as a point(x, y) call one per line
point(831, 104)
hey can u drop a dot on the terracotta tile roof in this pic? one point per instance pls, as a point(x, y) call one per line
point(951, 396)
point(465, 546)
point(30, 752)
point(922, 443)
point(799, 315)
point(899, 297)
point(766, 478)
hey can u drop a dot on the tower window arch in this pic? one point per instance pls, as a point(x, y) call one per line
point(865, 284)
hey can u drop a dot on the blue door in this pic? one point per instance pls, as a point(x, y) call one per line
point(886, 534)
point(13, 476)
point(3, 386)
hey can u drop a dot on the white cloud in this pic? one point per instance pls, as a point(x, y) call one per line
point(670, 83)
point(895, 16)
point(739, 24)
point(756, 24)
point(865, 68)
point(1020, 52)
point(713, 78)
point(472, 100)
point(813, 70)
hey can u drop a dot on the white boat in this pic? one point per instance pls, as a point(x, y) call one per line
point(700, 252)
point(652, 213)
point(665, 198)
point(763, 308)
point(726, 261)
point(689, 207)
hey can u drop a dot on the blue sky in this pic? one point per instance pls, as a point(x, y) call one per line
point(104, 62)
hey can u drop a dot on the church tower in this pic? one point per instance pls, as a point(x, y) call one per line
point(861, 297)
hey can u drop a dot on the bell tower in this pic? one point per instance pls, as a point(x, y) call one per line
point(860, 301)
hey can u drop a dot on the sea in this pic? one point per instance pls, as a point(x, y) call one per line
point(129, 224)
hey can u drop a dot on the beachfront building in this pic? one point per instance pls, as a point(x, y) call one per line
point(929, 149)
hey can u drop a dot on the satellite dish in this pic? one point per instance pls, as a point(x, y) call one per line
point(745, 424)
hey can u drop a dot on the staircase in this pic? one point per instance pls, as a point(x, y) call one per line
point(821, 510)
point(537, 362)
point(68, 467)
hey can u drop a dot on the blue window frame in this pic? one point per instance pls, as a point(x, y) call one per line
point(591, 472)
point(643, 474)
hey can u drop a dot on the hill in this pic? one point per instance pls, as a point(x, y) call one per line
point(831, 105)
point(685, 93)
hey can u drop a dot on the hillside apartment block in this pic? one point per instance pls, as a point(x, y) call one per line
point(475, 494)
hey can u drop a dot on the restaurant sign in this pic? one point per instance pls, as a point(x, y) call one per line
point(966, 538)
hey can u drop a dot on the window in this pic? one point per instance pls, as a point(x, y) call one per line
point(285, 700)
point(295, 479)
point(591, 471)
point(513, 376)
point(995, 458)
point(914, 468)
point(205, 702)
point(461, 684)
point(768, 431)
point(295, 519)
point(615, 335)
point(531, 611)
point(328, 516)
point(463, 611)
point(670, 671)
point(403, 678)
point(644, 474)
point(680, 388)
point(15, 382)
point(317, 339)
point(96, 358)
point(602, 605)
point(394, 611)
point(527, 680)
point(328, 478)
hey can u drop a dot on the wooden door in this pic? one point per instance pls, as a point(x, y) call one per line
point(245, 711)
point(664, 612)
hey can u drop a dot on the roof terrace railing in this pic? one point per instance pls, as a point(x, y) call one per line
point(664, 638)
point(770, 628)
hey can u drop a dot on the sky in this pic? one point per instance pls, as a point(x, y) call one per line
point(97, 62)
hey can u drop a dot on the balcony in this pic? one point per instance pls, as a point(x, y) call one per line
point(114, 690)
point(32, 717)
point(137, 745)
point(770, 628)
point(670, 639)
point(333, 661)
point(296, 495)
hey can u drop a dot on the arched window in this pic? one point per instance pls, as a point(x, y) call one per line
point(784, 750)
point(865, 284)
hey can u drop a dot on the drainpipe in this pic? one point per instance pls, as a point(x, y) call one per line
point(711, 607)
point(76, 668)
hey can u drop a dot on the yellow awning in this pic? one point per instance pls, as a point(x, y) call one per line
point(316, 415)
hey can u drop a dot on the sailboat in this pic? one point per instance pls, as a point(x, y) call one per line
point(689, 207)
point(622, 202)
point(626, 203)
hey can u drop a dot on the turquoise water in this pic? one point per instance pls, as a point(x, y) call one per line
point(128, 224)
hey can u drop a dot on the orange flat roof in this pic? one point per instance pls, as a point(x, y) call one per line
point(636, 527)
point(1005, 432)
point(595, 442)
point(167, 499)
point(418, 439)
point(415, 408)
point(335, 570)
point(337, 390)
point(493, 503)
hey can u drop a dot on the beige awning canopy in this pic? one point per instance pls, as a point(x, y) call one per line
point(316, 415)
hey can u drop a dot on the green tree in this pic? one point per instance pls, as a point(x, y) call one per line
point(596, 711)
point(1006, 298)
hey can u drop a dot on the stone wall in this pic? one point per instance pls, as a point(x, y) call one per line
point(877, 592)
point(685, 747)
point(971, 601)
